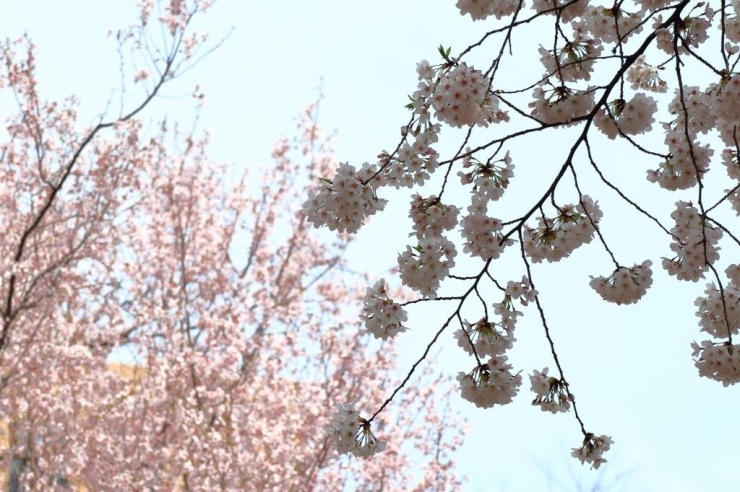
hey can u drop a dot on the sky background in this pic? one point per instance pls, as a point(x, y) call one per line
point(630, 367)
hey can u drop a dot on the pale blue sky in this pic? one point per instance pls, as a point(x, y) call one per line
point(630, 367)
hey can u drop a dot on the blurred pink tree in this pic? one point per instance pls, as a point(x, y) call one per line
point(121, 240)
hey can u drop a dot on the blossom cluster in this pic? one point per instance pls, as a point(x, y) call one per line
point(383, 318)
point(718, 361)
point(560, 104)
point(642, 75)
point(555, 7)
point(716, 317)
point(573, 61)
point(431, 217)
point(695, 245)
point(630, 118)
point(692, 34)
point(611, 24)
point(460, 98)
point(508, 313)
point(652, 5)
point(551, 393)
point(625, 285)
point(522, 291)
point(489, 180)
point(494, 338)
point(351, 433)
point(481, 9)
point(488, 338)
point(593, 449)
point(687, 162)
point(732, 22)
point(490, 384)
point(414, 161)
point(719, 315)
point(424, 266)
point(343, 203)
point(730, 160)
point(726, 108)
point(556, 238)
point(698, 116)
point(481, 233)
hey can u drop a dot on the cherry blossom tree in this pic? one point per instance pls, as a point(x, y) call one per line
point(608, 77)
point(169, 323)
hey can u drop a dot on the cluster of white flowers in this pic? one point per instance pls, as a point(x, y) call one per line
point(350, 433)
point(732, 165)
point(711, 311)
point(645, 76)
point(625, 285)
point(562, 104)
point(693, 33)
point(593, 449)
point(424, 266)
point(490, 384)
point(508, 313)
point(652, 5)
point(481, 9)
point(573, 9)
point(425, 70)
point(678, 172)
point(420, 99)
point(731, 162)
point(383, 317)
point(698, 108)
point(344, 202)
point(632, 117)
point(732, 22)
point(555, 239)
point(693, 253)
point(489, 180)
point(551, 393)
point(611, 24)
point(482, 234)
point(521, 290)
point(574, 61)
point(720, 362)
point(734, 198)
point(431, 217)
point(462, 98)
point(725, 103)
point(414, 161)
point(487, 339)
